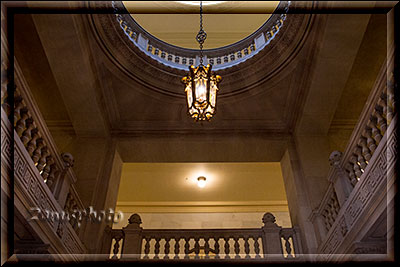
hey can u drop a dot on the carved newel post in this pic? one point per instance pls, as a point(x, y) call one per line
point(271, 235)
point(133, 238)
point(340, 180)
point(63, 183)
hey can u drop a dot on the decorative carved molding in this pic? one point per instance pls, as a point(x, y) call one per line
point(30, 187)
point(259, 69)
point(182, 58)
point(373, 183)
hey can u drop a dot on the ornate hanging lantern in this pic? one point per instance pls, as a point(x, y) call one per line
point(201, 84)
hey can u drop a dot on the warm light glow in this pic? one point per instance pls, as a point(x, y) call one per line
point(201, 181)
point(201, 92)
point(196, 3)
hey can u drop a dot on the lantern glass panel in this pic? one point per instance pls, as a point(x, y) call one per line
point(201, 89)
point(189, 94)
point(213, 94)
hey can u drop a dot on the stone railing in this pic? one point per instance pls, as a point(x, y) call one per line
point(43, 178)
point(361, 172)
point(55, 168)
point(72, 204)
point(182, 58)
point(269, 242)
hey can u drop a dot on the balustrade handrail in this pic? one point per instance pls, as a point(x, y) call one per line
point(269, 241)
point(351, 209)
point(23, 88)
point(366, 113)
point(30, 126)
point(350, 167)
point(184, 232)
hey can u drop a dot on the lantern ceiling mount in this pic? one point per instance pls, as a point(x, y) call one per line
point(201, 84)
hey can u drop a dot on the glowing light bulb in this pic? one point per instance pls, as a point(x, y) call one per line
point(201, 181)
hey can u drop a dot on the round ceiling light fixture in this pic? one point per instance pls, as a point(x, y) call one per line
point(196, 3)
point(201, 181)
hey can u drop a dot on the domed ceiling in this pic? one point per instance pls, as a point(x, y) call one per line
point(181, 29)
point(111, 87)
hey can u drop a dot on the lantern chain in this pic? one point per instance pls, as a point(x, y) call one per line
point(202, 35)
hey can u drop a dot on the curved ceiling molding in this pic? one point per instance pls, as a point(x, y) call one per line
point(181, 58)
point(241, 79)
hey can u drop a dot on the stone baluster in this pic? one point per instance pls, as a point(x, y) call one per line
point(32, 143)
point(328, 217)
point(117, 239)
point(271, 237)
point(382, 103)
point(21, 123)
point(166, 248)
point(226, 59)
point(246, 247)
point(157, 248)
point(4, 100)
point(376, 134)
point(380, 120)
point(206, 247)
point(226, 247)
point(352, 175)
point(356, 167)
point(196, 248)
point(47, 169)
point(296, 238)
point(216, 247)
point(256, 247)
point(364, 149)
point(187, 247)
point(335, 205)
point(341, 183)
point(18, 105)
point(37, 153)
point(176, 248)
point(133, 238)
point(237, 247)
point(27, 133)
point(43, 159)
point(371, 144)
point(147, 248)
point(288, 248)
point(54, 171)
point(360, 158)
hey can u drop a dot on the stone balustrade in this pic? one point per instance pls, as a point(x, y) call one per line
point(269, 242)
point(43, 176)
point(182, 58)
point(72, 204)
point(354, 175)
point(31, 128)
